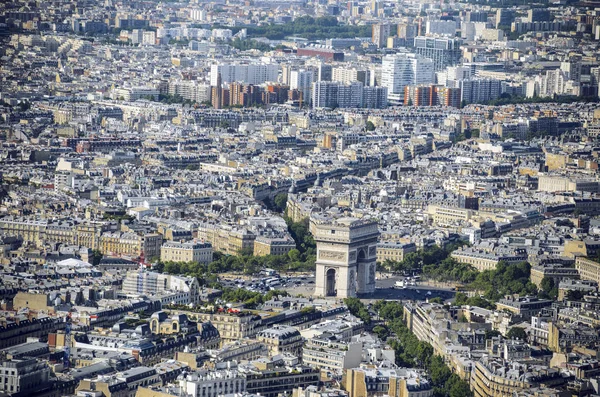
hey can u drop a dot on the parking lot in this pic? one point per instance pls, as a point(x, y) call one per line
point(296, 285)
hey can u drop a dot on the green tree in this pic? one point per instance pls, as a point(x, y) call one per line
point(506, 279)
point(574, 295)
point(96, 257)
point(370, 126)
point(358, 309)
point(458, 387)
point(517, 333)
point(548, 289)
point(294, 255)
point(412, 352)
point(280, 201)
point(381, 331)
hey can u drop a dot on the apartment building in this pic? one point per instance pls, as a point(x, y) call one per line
point(483, 260)
point(23, 376)
point(449, 216)
point(556, 272)
point(265, 245)
point(191, 251)
point(239, 350)
point(213, 383)
point(400, 70)
point(282, 339)
point(122, 384)
point(231, 326)
point(248, 74)
point(266, 378)
point(151, 283)
point(394, 251)
point(421, 319)
point(526, 306)
point(495, 377)
point(370, 381)
point(131, 244)
point(588, 269)
point(226, 239)
point(325, 351)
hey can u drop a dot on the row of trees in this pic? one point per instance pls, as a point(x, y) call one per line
point(251, 300)
point(300, 259)
point(358, 309)
point(245, 263)
point(410, 352)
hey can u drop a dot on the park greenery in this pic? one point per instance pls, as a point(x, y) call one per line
point(506, 279)
point(410, 352)
point(507, 99)
point(309, 28)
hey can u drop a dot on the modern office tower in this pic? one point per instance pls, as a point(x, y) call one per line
point(443, 51)
point(538, 15)
point(447, 96)
point(302, 80)
point(375, 97)
point(249, 74)
point(349, 75)
point(380, 34)
point(431, 95)
point(476, 16)
point(407, 32)
point(441, 27)
point(479, 90)
point(504, 17)
point(333, 94)
point(149, 38)
point(325, 72)
point(572, 70)
point(137, 36)
point(400, 70)
point(420, 95)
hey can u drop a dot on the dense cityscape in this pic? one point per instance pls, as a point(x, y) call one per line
point(302, 198)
